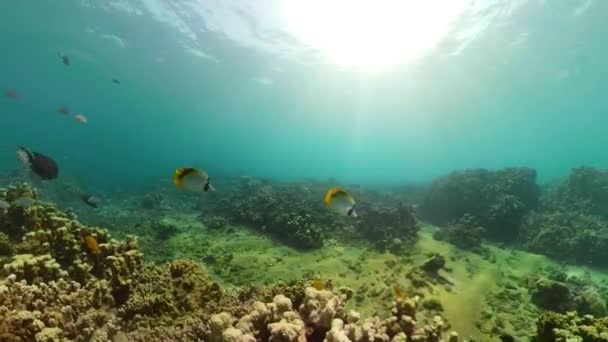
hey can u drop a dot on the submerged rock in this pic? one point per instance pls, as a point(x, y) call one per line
point(434, 264)
point(551, 295)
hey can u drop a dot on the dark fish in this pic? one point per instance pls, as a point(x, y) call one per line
point(91, 201)
point(506, 338)
point(63, 110)
point(23, 202)
point(11, 93)
point(210, 259)
point(115, 81)
point(42, 165)
point(64, 58)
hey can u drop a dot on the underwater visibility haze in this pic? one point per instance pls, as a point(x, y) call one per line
point(290, 170)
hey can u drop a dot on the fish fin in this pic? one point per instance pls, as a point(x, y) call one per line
point(30, 155)
point(178, 177)
point(330, 194)
point(352, 212)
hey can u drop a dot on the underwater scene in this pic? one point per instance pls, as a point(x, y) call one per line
point(303, 170)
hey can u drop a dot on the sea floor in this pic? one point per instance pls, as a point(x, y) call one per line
point(481, 295)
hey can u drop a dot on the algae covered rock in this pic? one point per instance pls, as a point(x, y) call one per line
point(552, 295)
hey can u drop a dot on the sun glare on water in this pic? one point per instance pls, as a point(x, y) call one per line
point(372, 35)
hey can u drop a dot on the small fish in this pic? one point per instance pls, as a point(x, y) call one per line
point(4, 204)
point(318, 284)
point(210, 259)
point(11, 93)
point(506, 338)
point(63, 110)
point(65, 59)
point(23, 202)
point(116, 81)
point(340, 202)
point(192, 179)
point(92, 245)
point(80, 118)
point(43, 166)
point(398, 292)
point(91, 201)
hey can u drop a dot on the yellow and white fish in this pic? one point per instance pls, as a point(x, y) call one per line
point(340, 202)
point(192, 179)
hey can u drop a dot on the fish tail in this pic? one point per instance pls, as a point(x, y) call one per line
point(30, 156)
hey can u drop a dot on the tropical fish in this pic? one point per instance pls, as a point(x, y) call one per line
point(11, 93)
point(80, 118)
point(340, 202)
point(115, 81)
point(92, 245)
point(43, 166)
point(318, 284)
point(398, 292)
point(63, 110)
point(192, 179)
point(4, 204)
point(65, 59)
point(23, 202)
point(91, 201)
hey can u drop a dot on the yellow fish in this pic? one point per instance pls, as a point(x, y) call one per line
point(192, 179)
point(340, 202)
point(318, 284)
point(92, 245)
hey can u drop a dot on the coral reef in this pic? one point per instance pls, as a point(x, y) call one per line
point(567, 235)
point(498, 200)
point(554, 290)
point(465, 233)
point(322, 317)
point(295, 215)
point(66, 281)
point(585, 190)
point(390, 228)
point(553, 326)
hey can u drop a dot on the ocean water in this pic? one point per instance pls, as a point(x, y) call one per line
point(229, 86)
point(379, 96)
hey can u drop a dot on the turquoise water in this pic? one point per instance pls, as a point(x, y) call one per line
point(225, 86)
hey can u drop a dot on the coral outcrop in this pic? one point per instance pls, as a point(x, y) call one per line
point(567, 235)
point(295, 215)
point(389, 228)
point(585, 190)
point(498, 200)
point(553, 326)
point(322, 317)
point(465, 233)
